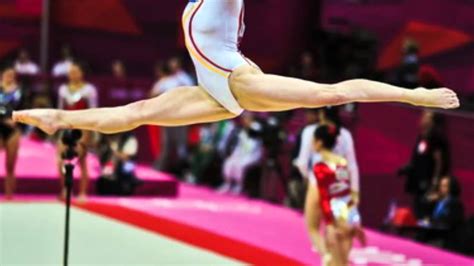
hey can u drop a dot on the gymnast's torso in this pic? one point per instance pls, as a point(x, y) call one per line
point(333, 181)
point(83, 98)
point(213, 30)
point(218, 24)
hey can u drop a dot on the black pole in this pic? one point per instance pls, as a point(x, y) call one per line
point(69, 170)
point(69, 139)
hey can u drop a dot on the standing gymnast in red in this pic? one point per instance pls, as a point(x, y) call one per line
point(332, 199)
point(77, 94)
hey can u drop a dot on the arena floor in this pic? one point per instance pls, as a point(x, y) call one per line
point(197, 228)
point(32, 235)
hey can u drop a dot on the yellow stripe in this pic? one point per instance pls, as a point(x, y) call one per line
point(205, 64)
point(187, 14)
point(190, 48)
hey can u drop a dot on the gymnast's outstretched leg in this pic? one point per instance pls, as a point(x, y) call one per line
point(254, 91)
point(181, 106)
point(257, 91)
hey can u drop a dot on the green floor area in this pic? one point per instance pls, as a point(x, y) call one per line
point(32, 234)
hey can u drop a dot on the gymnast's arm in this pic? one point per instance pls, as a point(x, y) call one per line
point(352, 166)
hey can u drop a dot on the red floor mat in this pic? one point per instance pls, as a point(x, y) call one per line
point(191, 235)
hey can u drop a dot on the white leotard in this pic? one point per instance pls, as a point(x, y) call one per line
point(213, 29)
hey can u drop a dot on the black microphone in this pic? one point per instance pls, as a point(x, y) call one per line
point(70, 138)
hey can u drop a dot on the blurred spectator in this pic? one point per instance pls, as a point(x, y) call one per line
point(429, 78)
point(61, 68)
point(117, 155)
point(119, 71)
point(407, 75)
point(344, 146)
point(447, 213)
point(10, 95)
point(306, 68)
point(448, 210)
point(297, 185)
point(118, 88)
point(77, 94)
point(226, 135)
point(272, 182)
point(247, 152)
point(24, 65)
point(430, 160)
point(176, 68)
point(204, 155)
point(166, 80)
point(174, 150)
point(363, 53)
point(206, 160)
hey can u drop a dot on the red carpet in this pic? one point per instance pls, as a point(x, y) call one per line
point(191, 235)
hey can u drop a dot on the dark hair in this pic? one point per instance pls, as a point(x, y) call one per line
point(454, 187)
point(332, 114)
point(7, 67)
point(163, 67)
point(328, 135)
point(82, 67)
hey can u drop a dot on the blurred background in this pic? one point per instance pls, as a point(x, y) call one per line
point(82, 54)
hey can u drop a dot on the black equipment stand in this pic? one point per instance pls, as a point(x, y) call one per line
point(69, 139)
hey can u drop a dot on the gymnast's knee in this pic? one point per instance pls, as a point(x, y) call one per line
point(333, 95)
point(136, 113)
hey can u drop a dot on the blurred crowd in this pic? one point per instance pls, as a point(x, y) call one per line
point(24, 86)
point(267, 156)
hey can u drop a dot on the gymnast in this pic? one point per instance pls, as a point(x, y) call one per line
point(331, 198)
point(229, 83)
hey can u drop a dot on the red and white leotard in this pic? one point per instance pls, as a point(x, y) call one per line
point(84, 98)
point(334, 187)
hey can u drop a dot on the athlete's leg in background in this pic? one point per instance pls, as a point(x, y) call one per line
point(347, 237)
point(346, 248)
point(334, 245)
point(312, 214)
point(11, 148)
point(261, 92)
point(181, 106)
point(84, 182)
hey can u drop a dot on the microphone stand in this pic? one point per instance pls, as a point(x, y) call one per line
point(69, 139)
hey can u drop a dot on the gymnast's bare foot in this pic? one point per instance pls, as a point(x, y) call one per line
point(47, 120)
point(436, 98)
